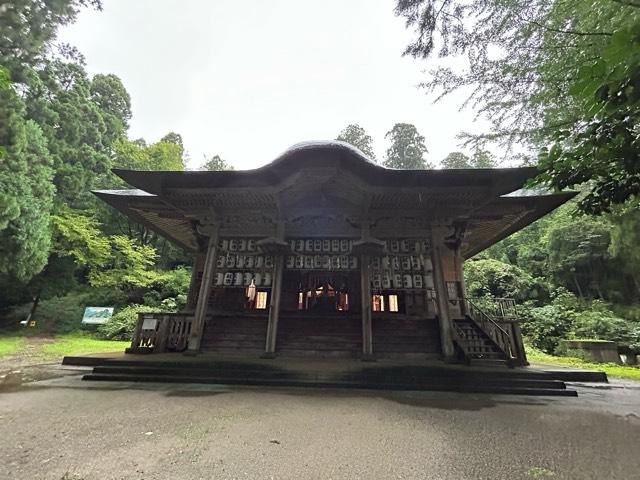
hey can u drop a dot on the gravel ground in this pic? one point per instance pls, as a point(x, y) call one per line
point(64, 428)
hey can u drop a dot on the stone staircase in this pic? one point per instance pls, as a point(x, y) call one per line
point(475, 343)
point(336, 374)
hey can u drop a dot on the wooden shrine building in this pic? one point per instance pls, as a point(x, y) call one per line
point(322, 252)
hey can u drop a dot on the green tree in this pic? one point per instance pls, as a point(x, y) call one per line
point(602, 146)
point(480, 159)
point(579, 255)
point(80, 125)
point(137, 155)
point(29, 29)
point(558, 75)
point(216, 163)
point(625, 238)
point(407, 148)
point(492, 278)
point(26, 192)
point(456, 160)
point(355, 135)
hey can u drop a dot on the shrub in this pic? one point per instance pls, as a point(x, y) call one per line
point(170, 290)
point(603, 324)
point(546, 326)
point(123, 322)
point(61, 314)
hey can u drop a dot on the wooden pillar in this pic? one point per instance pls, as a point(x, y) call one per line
point(444, 320)
point(365, 294)
point(459, 264)
point(192, 296)
point(274, 307)
point(276, 291)
point(205, 291)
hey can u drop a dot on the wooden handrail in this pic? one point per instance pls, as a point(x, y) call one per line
point(162, 332)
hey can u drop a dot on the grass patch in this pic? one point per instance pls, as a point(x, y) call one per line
point(611, 369)
point(81, 344)
point(10, 344)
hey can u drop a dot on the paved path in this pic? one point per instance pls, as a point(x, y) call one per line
point(63, 428)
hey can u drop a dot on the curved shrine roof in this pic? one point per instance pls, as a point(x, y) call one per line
point(494, 200)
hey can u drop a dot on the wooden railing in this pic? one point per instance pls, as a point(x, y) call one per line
point(500, 336)
point(161, 332)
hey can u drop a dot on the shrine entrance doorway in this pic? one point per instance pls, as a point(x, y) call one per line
point(320, 314)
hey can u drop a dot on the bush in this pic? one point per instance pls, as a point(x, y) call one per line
point(123, 322)
point(546, 326)
point(171, 290)
point(567, 317)
point(61, 314)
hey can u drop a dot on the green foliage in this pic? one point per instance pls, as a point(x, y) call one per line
point(480, 159)
point(563, 75)
point(456, 160)
point(79, 236)
point(355, 135)
point(407, 148)
point(566, 317)
point(600, 323)
point(79, 118)
point(29, 29)
point(26, 192)
point(170, 290)
point(123, 322)
point(579, 254)
point(546, 326)
point(130, 267)
point(60, 314)
point(136, 155)
point(216, 163)
point(493, 278)
point(602, 147)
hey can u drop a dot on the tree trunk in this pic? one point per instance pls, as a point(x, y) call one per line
point(32, 312)
point(575, 280)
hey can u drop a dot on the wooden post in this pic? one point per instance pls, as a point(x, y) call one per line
point(444, 320)
point(205, 291)
point(135, 341)
point(274, 304)
point(516, 335)
point(274, 307)
point(460, 274)
point(365, 293)
point(193, 285)
point(162, 334)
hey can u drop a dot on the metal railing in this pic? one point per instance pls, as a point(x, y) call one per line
point(489, 325)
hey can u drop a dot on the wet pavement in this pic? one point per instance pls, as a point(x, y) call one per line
point(53, 425)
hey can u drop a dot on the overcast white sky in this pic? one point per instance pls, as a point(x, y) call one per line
point(248, 79)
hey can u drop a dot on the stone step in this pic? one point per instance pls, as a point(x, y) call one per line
point(518, 388)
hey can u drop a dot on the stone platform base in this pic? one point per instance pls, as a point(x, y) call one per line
point(425, 375)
